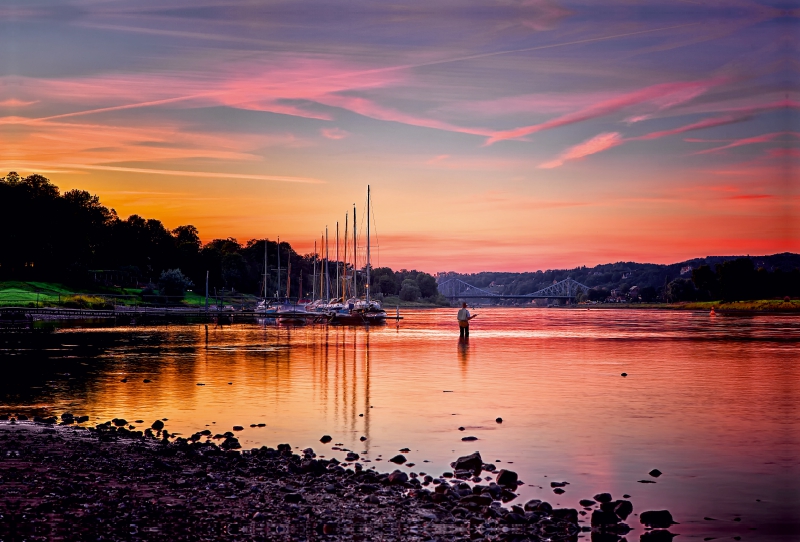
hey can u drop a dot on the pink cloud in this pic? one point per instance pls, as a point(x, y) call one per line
point(705, 123)
point(334, 133)
point(654, 93)
point(594, 145)
point(13, 102)
point(606, 141)
point(369, 108)
point(437, 159)
point(764, 138)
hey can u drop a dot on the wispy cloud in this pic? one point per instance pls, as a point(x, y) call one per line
point(605, 141)
point(334, 133)
point(594, 145)
point(662, 95)
point(763, 138)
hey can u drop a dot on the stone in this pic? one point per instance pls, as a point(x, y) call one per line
point(146, 380)
point(660, 519)
point(469, 439)
point(586, 503)
point(623, 509)
point(655, 473)
point(472, 462)
point(507, 478)
point(558, 491)
point(601, 518)
point(559, 484)
point(362, 439)
point(499, 420)
point(565, 514)
point(603, 497)
point(352, 457)
point(462, 428)
point(325, 439)
point(624, 374)
point(119, 422)
point(399, 459)
point(238, 428)
point(293, 498)
point(398, 477)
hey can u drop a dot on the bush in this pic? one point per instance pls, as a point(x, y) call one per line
point(85, 302)
point(409, 291)
point(173, 283)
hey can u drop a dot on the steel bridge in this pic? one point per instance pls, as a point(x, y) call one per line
point(458, 289)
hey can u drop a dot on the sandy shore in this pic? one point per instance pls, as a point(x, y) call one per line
point(63, 482)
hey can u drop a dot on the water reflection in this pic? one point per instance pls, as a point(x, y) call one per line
point(712, 402)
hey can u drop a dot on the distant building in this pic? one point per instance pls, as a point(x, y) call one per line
point(686, 269)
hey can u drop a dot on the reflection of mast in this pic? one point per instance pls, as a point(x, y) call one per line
point(366, 389)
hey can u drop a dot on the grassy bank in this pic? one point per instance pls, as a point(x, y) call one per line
point(49, 294)
point(758, 305)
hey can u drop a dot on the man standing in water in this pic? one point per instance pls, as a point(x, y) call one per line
point(463, 321)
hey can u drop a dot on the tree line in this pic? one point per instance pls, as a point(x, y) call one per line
point(72, 238)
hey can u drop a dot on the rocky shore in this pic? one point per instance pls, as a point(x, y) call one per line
point(63, 481)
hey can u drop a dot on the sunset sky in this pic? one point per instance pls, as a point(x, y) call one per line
point(496, 135)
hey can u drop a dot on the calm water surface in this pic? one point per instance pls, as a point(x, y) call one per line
point(713, 402)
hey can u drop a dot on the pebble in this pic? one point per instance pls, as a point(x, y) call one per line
point(325, 439)
point(468, 439)
point(624, 374)
point(139, 484)
point(655, 473)
point(499, 420)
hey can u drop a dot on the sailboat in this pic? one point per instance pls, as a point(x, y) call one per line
point(355, 310)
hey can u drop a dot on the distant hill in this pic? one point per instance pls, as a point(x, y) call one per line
point(620, 275)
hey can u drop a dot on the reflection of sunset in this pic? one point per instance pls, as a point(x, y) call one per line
point(713, 402)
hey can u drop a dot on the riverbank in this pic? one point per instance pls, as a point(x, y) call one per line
point(115, 482)
point(759, 305)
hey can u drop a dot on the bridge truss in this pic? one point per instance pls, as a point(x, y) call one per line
point(458, 289)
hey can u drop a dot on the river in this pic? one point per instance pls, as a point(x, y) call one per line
point(711, 401)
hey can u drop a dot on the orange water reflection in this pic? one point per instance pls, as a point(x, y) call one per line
point(713, 403)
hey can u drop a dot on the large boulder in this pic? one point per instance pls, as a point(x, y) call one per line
point(507, 478)
point(398, 477)
point(601, 518)
point(471, 462)
point(660, 519)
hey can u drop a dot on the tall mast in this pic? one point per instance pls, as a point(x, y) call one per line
point(314, 282)
point(344, 270)
point(337, 258)
point(368, 243)
point(321, 270)
point(289, 279)
point(265, 270)
point(355, 256)
point(279, 267)
point(327, 271)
